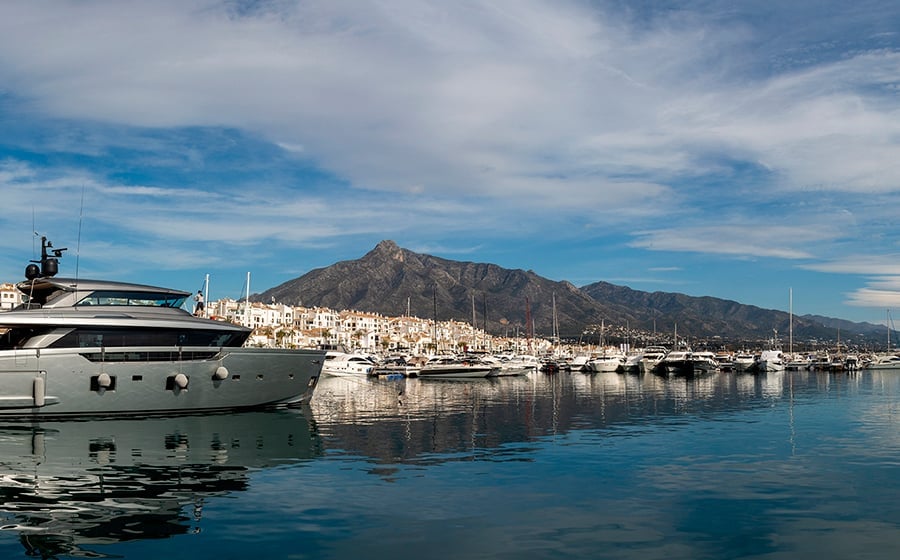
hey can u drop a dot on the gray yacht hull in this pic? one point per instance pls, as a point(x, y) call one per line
point(53, 382)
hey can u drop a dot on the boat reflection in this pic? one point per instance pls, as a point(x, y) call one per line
point(66, 487)
point(414, 420)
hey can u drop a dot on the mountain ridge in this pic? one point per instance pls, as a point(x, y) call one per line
point(391, 280)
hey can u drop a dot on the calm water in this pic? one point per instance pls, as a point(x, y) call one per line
point(793, 465)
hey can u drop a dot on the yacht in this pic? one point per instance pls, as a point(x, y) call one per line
point(517, 364)
point(85, 347)
point(678, 362)
point(578, 362)
point(689, 363)
point(455, 368)
point(340, 364)
point(632, 362)
point(652, 358)
point(705, 362)
point(744, 362)
point(771, 360)
point(608, 361)
point(797, 362)
point(885, 361)
point(396, 365)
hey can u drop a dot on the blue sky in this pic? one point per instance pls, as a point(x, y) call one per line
point(733, 149)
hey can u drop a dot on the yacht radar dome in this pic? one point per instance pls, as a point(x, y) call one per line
point(49, 264)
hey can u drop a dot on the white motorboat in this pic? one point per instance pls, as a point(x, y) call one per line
point(632, 362)
point(744, 362)
point(82, 347)
point(884, 361)
point(578, 362)
point(725, 361)
point(341, 364)
point(688, 363)
point(456, 368)
point(678, 362)
point(652, 358)
point(771, 360)
point(518, 364)
point(797, 362)
point(608, 361)
point(395, 365)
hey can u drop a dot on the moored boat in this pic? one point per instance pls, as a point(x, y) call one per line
point(744, 362)
point(395, 365)
point(518, 364)
point(884, 361)
point(652, 358)
point(341, 364)
point(689, 363)
point(771, 360)
point(608, 361)
point(456, 368)
point(85, 347)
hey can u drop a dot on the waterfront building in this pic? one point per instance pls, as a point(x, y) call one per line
point(9, 296)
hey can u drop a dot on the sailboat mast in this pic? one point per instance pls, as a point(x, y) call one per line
point(555, 322)
point(484, 321)
point(528, 326)
point(434, 325)
point(474, 324)
point(791, 322)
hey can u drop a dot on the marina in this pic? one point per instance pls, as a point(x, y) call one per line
point(788, 464)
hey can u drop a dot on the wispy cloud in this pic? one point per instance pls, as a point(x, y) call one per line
point(732, 131)
point(745, 240)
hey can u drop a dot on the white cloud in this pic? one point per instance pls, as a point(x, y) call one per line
point(744, 240)
point(867, 297)
point(520, 115)
point(468, 97)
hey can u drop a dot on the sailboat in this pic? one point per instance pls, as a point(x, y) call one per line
point(609, 361)
point(888, 360)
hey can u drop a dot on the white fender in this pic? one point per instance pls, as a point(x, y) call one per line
point(38, 391)
point(104, 380)
point(221, 373)
point(181, 380)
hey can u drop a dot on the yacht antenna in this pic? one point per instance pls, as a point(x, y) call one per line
point(78, 243)
point(247, 303)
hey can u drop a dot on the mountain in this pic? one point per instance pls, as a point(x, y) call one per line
point(389, 279)
point(709, 316)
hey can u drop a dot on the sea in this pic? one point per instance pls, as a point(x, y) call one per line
point(789, 465)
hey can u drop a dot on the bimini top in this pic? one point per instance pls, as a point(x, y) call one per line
point(68, 292)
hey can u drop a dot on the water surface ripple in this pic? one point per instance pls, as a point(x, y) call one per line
point(787, 465)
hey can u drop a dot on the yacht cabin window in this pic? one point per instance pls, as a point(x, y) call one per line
point(112, 337)
point(144, 299)
point(122, 337)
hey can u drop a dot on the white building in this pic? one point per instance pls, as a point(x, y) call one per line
point(9, 296)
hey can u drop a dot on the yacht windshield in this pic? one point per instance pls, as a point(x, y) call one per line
point(144, 299)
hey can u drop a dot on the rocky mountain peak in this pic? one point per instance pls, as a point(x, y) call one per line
point(386, 250)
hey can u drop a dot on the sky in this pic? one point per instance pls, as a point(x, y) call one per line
point(746, 150)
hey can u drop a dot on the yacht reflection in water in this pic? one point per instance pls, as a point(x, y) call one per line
point(67, 486)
